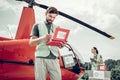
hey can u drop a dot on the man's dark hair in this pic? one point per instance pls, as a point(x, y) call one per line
point(52, 10)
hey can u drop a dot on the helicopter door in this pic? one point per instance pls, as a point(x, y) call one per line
point(68, 61)
point(71, 59)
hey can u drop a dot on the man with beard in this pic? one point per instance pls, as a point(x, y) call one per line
point(46, 57)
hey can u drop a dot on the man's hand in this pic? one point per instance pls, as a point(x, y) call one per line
point(62, 44)
point(47, 37)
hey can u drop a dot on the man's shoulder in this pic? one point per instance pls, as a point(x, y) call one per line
point(54, 25)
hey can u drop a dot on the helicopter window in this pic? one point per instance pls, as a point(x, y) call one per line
point(67, 53)
point(67, 57)
point(68, 61)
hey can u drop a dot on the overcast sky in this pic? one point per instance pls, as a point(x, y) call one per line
point(102, 14)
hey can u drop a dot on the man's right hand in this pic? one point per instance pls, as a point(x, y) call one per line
point(47, 37)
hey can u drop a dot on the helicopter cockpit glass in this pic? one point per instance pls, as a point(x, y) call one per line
point(68, 61)
point(72, 59)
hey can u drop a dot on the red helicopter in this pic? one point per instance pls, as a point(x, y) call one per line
point(17, 57)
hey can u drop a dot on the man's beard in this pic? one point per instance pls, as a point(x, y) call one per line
point(49, 21)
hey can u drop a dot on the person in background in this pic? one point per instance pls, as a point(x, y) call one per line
point(46, 57)
point(96, 60)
